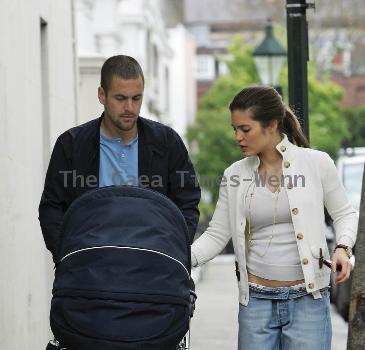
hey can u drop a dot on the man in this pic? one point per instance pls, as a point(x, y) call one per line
point(118, 148)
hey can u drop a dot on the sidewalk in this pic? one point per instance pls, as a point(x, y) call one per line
point(214, 325)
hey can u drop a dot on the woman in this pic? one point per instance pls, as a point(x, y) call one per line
point(271, 205)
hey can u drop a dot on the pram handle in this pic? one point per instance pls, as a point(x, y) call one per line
point(193, 297)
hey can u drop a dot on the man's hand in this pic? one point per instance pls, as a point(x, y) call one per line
point(340, 258)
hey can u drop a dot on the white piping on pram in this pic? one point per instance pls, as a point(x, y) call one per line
point(133, 248)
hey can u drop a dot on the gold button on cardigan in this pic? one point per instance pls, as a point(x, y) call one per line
point(295, 211)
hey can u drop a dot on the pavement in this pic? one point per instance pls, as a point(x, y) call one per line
point(214, 325)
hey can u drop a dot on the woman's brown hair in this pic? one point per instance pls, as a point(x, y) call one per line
point(265, 105)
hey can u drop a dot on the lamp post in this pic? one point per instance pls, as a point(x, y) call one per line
point(297, 34)
point(269, 57)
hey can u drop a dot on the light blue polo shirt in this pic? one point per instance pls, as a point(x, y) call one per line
point(118, 162)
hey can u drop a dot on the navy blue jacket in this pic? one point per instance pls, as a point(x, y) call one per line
point(163, 165)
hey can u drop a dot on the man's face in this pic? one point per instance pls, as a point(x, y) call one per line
point(122, 103)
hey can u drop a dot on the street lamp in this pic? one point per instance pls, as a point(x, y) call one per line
point(269, 57)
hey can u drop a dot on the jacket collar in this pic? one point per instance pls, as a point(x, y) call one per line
point(284, 147)
point(150, 136)
point(147, 135)
point(97, 131)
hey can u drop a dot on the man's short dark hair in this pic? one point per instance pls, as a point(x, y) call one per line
point(125, 67)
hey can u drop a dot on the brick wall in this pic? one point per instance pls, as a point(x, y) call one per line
point(354, 87)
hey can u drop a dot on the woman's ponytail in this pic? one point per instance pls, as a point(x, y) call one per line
point(292, 128)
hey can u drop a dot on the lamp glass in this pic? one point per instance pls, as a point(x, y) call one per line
point(269, 68)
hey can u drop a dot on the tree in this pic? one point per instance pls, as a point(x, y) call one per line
point(212, 133)
point(327, 125)
point(355, 119)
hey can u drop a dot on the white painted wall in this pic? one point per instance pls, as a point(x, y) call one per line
point(182, 82)
point(26, 137)
point(89, 106)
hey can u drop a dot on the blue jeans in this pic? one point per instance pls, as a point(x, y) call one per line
point(284, 319)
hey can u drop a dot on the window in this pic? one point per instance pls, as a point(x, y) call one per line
point(205, 69)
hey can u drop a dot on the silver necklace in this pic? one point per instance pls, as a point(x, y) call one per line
point(249, 233)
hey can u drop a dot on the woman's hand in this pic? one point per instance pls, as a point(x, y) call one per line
point(340, 258)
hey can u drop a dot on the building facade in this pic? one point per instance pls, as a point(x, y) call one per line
point(37, 103)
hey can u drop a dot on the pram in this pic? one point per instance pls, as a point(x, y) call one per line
point(122, 280)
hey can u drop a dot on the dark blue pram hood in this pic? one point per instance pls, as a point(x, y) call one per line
point(122, 278)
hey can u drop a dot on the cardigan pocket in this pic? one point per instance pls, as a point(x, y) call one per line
point(315, 250)
point(316, 253)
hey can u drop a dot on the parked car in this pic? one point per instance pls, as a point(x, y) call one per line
point(350, 165)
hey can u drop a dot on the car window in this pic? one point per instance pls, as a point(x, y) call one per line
point(352, 180)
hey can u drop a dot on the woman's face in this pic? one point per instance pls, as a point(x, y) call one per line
point(252, 138)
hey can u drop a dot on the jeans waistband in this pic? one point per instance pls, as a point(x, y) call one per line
point(280, 293)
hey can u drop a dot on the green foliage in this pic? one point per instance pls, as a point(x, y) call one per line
point(327, 125)
point(355, 119)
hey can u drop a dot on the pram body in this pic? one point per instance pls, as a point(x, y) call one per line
point(122, 281)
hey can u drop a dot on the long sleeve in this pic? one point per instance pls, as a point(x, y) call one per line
point(345, 217)
point(183, 188)
point(54, 198)
point(218, 233)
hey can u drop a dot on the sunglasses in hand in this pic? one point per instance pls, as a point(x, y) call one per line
point(322, 261)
